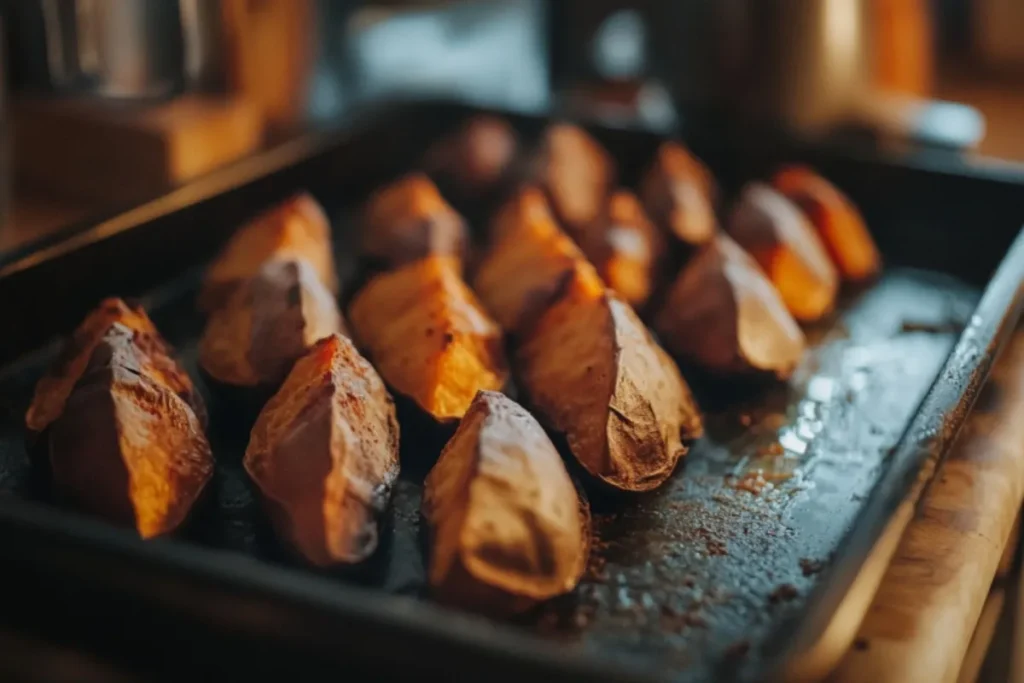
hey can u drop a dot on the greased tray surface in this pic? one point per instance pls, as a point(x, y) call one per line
point(710, 575)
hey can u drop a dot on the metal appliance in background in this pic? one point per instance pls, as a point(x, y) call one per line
point(123, 49)
point(808, 64)
point(491, 52)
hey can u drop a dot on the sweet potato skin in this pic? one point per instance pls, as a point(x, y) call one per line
point(786, 246)
point(429, 336)
point(127, 447)
point(324, 455)
point(476, 158)
point(576, 172)
point(592, 372)
point(836, 219)
point(266, 324)
point(724, 316)
point(624, 246)
point(296, 228)
point(679, 194)
point(528, 261)
point(56, 385)
point(508, 527)
point(409, 220)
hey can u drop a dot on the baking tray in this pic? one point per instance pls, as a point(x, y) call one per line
point(702, 579)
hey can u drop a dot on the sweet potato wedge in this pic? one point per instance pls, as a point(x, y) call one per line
point(624, 247)
point(429, 337)
point(508, 529)
point(723, 315)
point(475, 158)
point(324, 455)
point(155, 356)
point(408, 220)
point(126, 446)
point(266, 324)
point(837, 220)
point(592, 371)
point(296, 228)
point(787, 247)
point(679, 194)
point(576, 172)
point(529, 259)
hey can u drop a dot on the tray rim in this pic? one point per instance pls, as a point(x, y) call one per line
point(918, 452)
point(317, 137)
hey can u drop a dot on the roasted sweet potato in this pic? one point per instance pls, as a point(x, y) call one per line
point(324, 454)
point(775, 232)
point(592, 372)
point(429, 337)
point(507, 527)
point(723, 315)
point(529, 259)
point(408, 220)
point(576, 172)
point(126, 446)
point(679, 194)
point(836, 218)
point(475, 158)
point(296, 228)
point(266, 324)
point(153, 352)
point(624, 247)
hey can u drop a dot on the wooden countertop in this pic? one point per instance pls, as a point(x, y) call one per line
point(920, 623)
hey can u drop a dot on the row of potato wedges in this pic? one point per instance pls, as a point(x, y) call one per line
point(568, 261)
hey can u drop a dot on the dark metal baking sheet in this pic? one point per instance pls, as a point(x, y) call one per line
point(717, 573)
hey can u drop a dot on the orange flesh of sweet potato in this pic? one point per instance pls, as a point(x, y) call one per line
point(408, 220)
point(593, 372)
point(267, 323)
point(324, 454)
point(679, 192)
point(837, 220)
point(577, 174)
point(294, 229)
point(787, 247)
point(723, 314)
point(429, 337)
point(508, 528)
point(529, 260)
point(126, 446)
point(623, 246)
point(55, 386)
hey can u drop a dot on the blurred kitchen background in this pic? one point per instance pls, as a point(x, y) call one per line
point(106, 103)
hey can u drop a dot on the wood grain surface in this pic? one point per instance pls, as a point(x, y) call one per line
point(922, 619)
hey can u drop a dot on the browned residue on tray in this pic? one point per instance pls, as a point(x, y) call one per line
point(811, 567)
